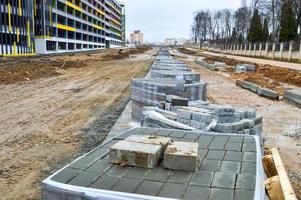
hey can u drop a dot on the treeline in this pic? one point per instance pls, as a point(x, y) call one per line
point(255, 21)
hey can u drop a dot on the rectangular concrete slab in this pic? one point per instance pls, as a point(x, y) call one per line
point(135, 154)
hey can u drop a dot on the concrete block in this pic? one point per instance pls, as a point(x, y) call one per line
point(248, 168)
point(230, 166)
point(126, 185)
point(233, 146)
point(105, 182)
point(198, 125)
point(184, 121)
point(181, 156)
point(258, 120)
point(249, 157)
point(210, 165)
point(202, 117)
point(247, 132)
point(247, 123)
point(135, 154)
point(293, 95)
point(150, 139)
point(224, 180)
point(184, 114)
point(136, 172)
point(158, 174)
point(226, 119)
point(172, 190)
point(246, 182)
point(221, 194)
point(168, 106)
point(250, 114)
point(224, 110)
point(201, 178)
point(215, 155)
point(246, 85)
point(233, 156)
point(270, 94)
point(223, 128)
point(244, 194)
point(181, 177)
point(254, 88)
point(151, 188)
point(195, 192)
point(259, 90)
point(176, 100)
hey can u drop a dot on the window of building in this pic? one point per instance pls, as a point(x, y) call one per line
point(62, 45)
point(78, 46)
point(71, 46)
point(50, 45)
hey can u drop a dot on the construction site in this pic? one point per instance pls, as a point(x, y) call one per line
point(146, 123)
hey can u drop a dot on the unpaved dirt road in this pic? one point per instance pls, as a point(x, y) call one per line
point(45, 123)
point(279, 116)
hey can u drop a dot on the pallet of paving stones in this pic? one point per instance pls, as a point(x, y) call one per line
point(264, 92)
point(206, 65)
point(175, 74)
point(229, 166)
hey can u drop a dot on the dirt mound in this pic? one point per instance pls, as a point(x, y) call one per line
point(187, 51)
point(228, 61)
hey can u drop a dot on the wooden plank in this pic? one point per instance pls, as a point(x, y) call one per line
point(273, 187)
point(269, 166)
point(288, 191)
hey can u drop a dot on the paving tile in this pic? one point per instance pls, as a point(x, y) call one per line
point(239, 139)
point(126, 185)
point(233, 146)
point(181, 177)
point(202, 153)
point(158, 174)
point(249, 147)
point(149, 188)
point(230, 166)
point(192, 136)
point(172, 190)
point(249, 139)
point(201, 178)
point(246, 182)
point(215, 155)
point(223, 180)
point(248, 168)
point(217, 145)
point(105, 182)
point(221, 194)
point(84, 179)
point(196, 193)
point(136, 172)
point(233, 156)
point(65, 175)
point(244, 194)
point(204, 144)
point(207, 138)
point(117, 171)
point(249, 157)
point(220, 139)
point(164, 132)
point(210, 165)
point(177, 134)
point(100, 166)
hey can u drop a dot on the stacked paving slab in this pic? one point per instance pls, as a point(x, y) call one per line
point(156, 163)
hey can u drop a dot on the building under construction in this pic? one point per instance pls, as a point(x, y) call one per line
point(52, 26)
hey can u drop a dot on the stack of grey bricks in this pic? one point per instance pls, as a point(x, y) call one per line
point(228, 119)
point(293, 95)
point(264, 92)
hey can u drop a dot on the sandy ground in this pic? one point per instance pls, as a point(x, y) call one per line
point(44, 123)
point(288, 65)
point(279, 116)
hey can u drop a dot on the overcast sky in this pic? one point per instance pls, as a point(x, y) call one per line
point(160, 19)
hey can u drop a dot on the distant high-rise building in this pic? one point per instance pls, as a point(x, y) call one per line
point(52, 26)
point(136, 38)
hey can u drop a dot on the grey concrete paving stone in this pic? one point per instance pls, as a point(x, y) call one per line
point(249, 147)
point(244, 195)
point(100, 166)
point(126, 185)
point(204, 144)
point(136, 172)
point(224, 180)
point(210, 165)
point(233, 156)
point(217, 145)
point(105, 182)
point(164, 132)
point(196, 193)
point(249, 140)
point(230, 167)
point(236, 139)
point(117, 171)
point(215, 155)
point(84, 179)
point(249, 157)
point(181, 177)
point(177, 134)
point(202, 178)
point(245, 182)
point(158, 174)
point(202, 153)
point(65, 175)
point(221, 139)
point(248, 168)
point(233, 146)
point(192, 136)
point(172, 190)
point(221, 194)
point(149, 188)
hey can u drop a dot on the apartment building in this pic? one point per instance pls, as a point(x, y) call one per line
point(72, 25)
point(16, 27)
point(136, 37)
